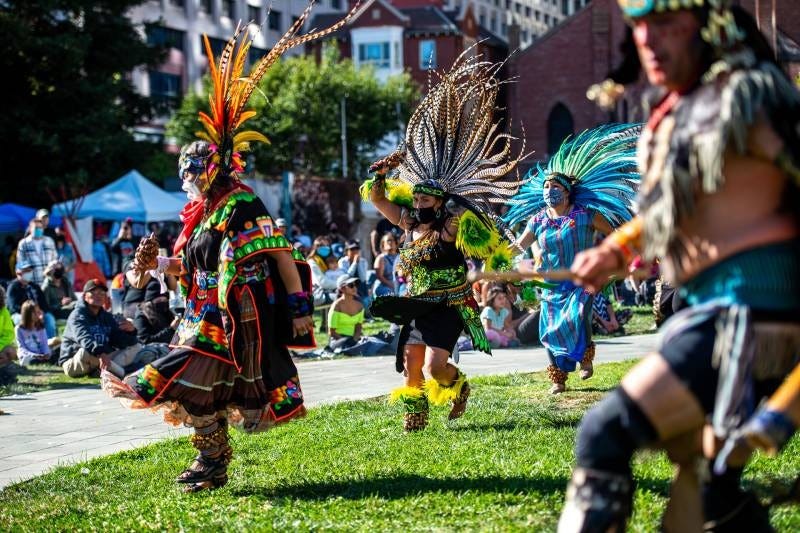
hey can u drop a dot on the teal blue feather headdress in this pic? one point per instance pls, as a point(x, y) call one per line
point(601, 166)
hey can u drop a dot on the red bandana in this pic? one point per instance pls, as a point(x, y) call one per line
point(192, 214)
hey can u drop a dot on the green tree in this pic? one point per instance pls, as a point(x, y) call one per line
point(298, 105)
point(68, 105)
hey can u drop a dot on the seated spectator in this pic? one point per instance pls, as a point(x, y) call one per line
point(321, 287)
point(355, 266)
point(95, 339)
point(496, 320)
point(346, 320)
point(32, 344)
point(606, 321)
point(66, 256)
point(22, 289)
point(8, 351)
point(57, 289)
point(154, 321)
point(384, 266)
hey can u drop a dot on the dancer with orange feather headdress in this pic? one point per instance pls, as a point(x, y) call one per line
point(247, 298)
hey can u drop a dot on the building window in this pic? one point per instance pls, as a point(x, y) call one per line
point(375, 54)
point(205, 6)
point(508, 4)
point(178, 3)
point(497, 3)
point(217, 45)
point(523, 36)
point(255, 54)
point(518, 7)
point(427, 54)
point(560, 125)
point(274, 20)
point(528, 11)
point(165, 88)
point(166, 37)
point(493, 24)
point(482, 18)
point(336, 4)
point(228, 8)
point(254, 14)
point(504, 29)
point(547, 19)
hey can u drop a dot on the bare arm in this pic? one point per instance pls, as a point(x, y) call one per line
point(378, 266)
point(287, 271)
point(599, 223)
point(392, 212)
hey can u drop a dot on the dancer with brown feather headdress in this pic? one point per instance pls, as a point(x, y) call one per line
point(453, 168)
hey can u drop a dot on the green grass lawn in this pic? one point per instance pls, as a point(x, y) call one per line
point(502, 467)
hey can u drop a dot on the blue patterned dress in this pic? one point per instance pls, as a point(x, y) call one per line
point(565, 319)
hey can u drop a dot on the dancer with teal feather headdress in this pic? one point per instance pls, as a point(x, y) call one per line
point(587, 186)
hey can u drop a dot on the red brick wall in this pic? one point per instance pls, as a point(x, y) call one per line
point(447, 49)
point(384, 17)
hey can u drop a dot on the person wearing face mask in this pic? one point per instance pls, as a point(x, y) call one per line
point(248, 295)
point(154, 321)
point(449, 214)
point(320, 258)
point(587, 186)
point(58, 291)
point(22, 289)
point(37, 250)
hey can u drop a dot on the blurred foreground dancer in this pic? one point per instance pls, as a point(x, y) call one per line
point(718, 204)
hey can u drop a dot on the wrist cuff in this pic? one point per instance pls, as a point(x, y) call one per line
point(300, 304)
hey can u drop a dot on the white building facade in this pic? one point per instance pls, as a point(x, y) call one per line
point(180, 25)
point(533, 17)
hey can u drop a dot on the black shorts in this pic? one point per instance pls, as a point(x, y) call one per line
point(439, 328)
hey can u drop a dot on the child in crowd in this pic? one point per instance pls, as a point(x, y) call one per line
point(384, 266)
point(31, 336)
point(496, 319)
point(8, 351)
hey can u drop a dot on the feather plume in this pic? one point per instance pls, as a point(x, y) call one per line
point(602, 163)
point(231, 90)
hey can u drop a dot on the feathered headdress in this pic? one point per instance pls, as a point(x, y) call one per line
point(599, 169)
point(230, 92)
point(453, 149)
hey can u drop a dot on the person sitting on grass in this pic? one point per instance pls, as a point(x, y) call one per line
point(154, 321)
point(496, 319)
point(23, 288)
point(58, 291)
point(32, 342)
point(94, 339)
point(8, 351)
point(346, 321)
point(605, 320)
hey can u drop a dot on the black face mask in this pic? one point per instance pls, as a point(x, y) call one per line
point(161, 307)
point(58, 274)
point(426, 215)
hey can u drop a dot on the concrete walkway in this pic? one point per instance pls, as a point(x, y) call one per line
point(58, 427)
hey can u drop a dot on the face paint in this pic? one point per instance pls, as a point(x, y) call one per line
point(192, 190)
point(553, 196)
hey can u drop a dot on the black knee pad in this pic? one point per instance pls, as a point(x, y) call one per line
point(611, 432)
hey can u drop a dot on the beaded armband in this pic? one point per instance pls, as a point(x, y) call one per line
point(300, 304)
point(627, 235)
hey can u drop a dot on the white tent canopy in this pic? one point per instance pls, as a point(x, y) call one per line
point(132, 195)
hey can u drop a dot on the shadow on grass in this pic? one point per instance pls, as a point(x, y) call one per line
point(483, 426)
point(407, 485)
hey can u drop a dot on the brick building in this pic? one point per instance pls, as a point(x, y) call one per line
point(410, 35)
point(549, 97)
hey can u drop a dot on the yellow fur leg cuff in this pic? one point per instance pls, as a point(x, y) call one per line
point(402, 394)
point(439, 394)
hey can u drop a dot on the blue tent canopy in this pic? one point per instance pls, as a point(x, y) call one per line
point(132, 196)
point(15, 217)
